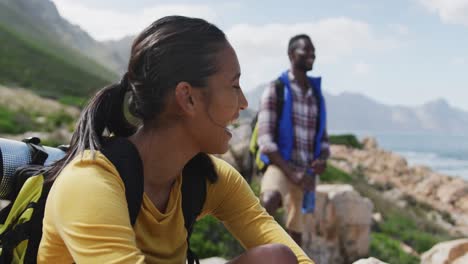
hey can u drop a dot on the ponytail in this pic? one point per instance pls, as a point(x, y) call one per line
point(103, 114)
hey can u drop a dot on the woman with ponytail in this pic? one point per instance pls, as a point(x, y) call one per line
point(182, 84)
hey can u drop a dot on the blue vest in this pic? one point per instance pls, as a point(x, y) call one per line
point(285, 133)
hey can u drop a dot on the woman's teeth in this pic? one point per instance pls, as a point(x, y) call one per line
point(230, 126)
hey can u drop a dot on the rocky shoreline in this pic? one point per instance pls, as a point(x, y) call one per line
point(398, 181)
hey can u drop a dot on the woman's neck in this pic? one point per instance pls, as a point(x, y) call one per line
point(164, 153)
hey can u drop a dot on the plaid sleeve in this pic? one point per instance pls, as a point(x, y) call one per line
point(267, 120)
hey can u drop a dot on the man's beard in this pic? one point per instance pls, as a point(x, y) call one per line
point(302, 65)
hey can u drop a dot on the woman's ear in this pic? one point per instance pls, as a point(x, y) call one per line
point(184, 95)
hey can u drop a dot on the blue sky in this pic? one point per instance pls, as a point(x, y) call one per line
point(396, 52)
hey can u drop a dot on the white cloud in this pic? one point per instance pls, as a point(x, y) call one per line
point(458, 61)
point(105, 24)
point(449, 11)
point(262, 49)
point(361, 68)
point(399, 29)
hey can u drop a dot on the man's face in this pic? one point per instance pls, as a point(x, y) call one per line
point(303, 55)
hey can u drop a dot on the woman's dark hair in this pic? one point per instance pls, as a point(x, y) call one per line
point(171, 50)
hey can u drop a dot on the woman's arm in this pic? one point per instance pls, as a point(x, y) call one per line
point(232, 201)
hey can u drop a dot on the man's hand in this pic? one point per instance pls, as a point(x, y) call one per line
point(319, 166)
point(306, 182)
point(297, 177)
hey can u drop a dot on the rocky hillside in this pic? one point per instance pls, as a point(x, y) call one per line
point(373, 206)
point(390, 172)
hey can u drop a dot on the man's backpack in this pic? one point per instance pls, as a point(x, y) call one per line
point(23, 168)
point(258, 166)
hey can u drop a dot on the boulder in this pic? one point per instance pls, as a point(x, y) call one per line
point(462, 203)
point(369, 143)
point(342, 221)
point(428, 186)
point(214, 260)
point(452, 191)
point(369, 261)
point(455, 251)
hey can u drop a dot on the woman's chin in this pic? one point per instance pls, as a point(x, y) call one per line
point(221, 145)
point(219, 149)
point(222, 149)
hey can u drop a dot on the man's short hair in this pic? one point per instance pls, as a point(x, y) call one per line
point(293, 40)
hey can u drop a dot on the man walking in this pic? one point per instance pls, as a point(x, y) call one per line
point(292, 137)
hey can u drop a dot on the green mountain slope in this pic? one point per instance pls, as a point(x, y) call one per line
point(17, 18)
point(26, 63)
point(43, 17)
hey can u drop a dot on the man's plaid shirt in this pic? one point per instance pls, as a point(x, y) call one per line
point(305, 114)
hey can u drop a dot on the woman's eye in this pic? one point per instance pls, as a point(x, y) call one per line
point(236, 87)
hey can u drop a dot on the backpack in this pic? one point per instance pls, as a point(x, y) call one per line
point(24, 182)
point(258, 166)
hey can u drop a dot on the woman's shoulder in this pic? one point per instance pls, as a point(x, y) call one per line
point(89, 169)
point(230, 191)
point(222, 167)
point(227, 174)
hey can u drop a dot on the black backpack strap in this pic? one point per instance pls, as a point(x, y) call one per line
point(11, 238)
point(126, 159)
point(38, 153)
point(279, 89)
point(35, 233)
point(193, 199)
point(30, 230)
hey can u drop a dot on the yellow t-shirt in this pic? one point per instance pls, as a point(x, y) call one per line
point(86, 218)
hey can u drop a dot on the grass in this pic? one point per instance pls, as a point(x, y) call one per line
point(77, 101)
point(27, 64)
point(335, 175)
point(389, 250)
point(345, 139)
point(211, 239)
point(14, 122)
point(17, 122)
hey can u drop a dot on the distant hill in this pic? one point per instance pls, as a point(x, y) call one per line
point(349, 111)
point(352, 111)
point(40, 22)
point(26, 63)
point(121, 48)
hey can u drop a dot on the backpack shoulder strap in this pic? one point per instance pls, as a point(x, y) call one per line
point(36, 225)
point(279, 89)
point(193, 199)
point(126, 159)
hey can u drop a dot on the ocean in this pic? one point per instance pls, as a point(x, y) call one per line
point(447, 154)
